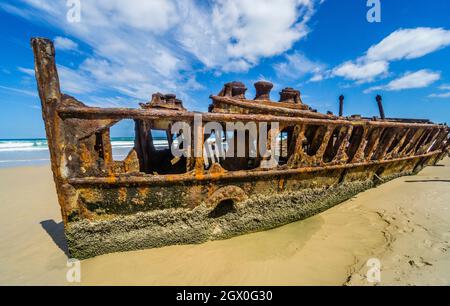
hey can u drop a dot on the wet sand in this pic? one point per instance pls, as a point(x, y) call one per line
point(404, 223)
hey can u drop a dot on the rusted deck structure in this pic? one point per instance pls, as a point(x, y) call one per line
point(151, 199)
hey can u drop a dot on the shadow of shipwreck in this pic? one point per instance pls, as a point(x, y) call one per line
point(56, 232)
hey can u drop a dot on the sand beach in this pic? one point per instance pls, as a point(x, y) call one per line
point(404, 224)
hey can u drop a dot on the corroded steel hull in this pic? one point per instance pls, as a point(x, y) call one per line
point(151, 199)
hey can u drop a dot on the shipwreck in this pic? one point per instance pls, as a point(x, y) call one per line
point(152, 198)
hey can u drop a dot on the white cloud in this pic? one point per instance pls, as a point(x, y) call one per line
point(101, 69)
point(440, 95)
point(114, 101)
point(262, 30)
point(155, 15)
point(239, 65)
point(27, 71)
point(20, 91)
point(297, 65)
point(64, 43)
point(15, 10)
point(361, 72)
point(317, 77)
point(74, 82)
point(399, 45)
point(139, 47)
point(409, 44)
point(410, 80)
point(129, 54)
point(235, 34)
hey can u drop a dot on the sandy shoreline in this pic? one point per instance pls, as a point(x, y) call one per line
point(404, 223)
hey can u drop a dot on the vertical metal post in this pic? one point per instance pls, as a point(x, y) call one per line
point(341, 105)
point(380, 106)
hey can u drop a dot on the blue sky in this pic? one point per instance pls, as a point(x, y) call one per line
point(120, 52)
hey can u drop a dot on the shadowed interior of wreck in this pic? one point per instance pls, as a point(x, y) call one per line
point(319, 145)
point(224, 207)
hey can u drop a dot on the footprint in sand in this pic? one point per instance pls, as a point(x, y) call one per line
point(440, 247)
point(436, 246)
point(406, 229)
point(418, 262)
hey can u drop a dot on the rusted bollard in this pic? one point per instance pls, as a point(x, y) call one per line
point(263, 89)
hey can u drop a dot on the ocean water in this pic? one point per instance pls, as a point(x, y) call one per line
point(30, 152)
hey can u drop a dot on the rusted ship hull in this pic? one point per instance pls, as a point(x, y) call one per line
point(274, 201)
point(150, 199)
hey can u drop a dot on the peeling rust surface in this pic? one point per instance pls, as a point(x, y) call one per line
point(151, 199)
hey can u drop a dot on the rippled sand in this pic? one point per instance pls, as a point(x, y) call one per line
point(404, 223)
